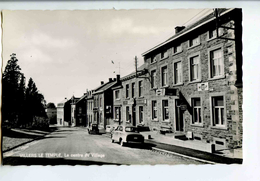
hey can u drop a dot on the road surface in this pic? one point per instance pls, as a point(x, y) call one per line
point(74, 146)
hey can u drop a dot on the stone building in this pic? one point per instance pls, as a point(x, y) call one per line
point(64, 113)
point(103, 103)
point(196, 81)
point(89, 108)
point(73, 109)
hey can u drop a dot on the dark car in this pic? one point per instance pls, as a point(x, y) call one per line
point(94, 129)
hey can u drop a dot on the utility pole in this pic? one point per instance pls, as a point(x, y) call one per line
point(135, 66)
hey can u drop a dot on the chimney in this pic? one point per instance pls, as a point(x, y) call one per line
point(117, 77)
point(114, 79)
point(102, 82)
point(110, 79)
point(178, 29)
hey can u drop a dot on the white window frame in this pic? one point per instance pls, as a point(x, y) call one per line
point(174, 73)
point(133, 89)
point(213, 123)
point(222, 67)
point(196, 107)
point(117, 94)
point(141, 93)
point(190, 57)
point(164, 54)
point(154, 110)
point(191, 40)
point(164, 80)
point(153, 59)
point(153, 79)
point(141, 113)
point(178, 51)
point(163, 110)
point(214, 32)
point(127, 91)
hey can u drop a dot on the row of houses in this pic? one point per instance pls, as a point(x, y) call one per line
point(190, 84)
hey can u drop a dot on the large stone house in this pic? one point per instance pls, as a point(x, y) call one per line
point(196, 81)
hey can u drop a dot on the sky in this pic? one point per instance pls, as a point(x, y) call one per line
point(67, 52)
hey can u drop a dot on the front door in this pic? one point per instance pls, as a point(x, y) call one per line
point(134, 116)
point(179, 118)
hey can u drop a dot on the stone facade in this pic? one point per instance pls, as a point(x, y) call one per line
point(212, 86)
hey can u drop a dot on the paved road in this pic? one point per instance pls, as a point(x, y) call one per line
point(74, 146)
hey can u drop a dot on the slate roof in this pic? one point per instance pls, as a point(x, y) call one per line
point(209, 17)
point(142, 67)
point(107, 86)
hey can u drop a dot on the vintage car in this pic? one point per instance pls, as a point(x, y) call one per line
point(126, 134)
point(94, 129)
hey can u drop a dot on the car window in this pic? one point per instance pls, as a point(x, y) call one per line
point(130, 129)
point(120, 128)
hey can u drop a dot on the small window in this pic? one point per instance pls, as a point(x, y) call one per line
point(194, 42)
point(117, 113)
point(80, 110)
point(164, 54)
point(164, 76)
point(153, 78)
point(116, 94)
point(153, 59)
point(196, 111)
point(218, 110)
point(141, 114)
point(128, 115)
point(177, 73)
point(127, 91)
point(154, 110)
point(213, 33)
point(216, 63)
point(165, 110)
point(140, 88)
point(177, 49)
point(194, 68)
point(133, 90)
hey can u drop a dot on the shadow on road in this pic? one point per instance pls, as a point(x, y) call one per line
point(146, 146)
point(15, 161)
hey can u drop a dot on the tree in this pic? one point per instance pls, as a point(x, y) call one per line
point(35, 103)
point(12, 80)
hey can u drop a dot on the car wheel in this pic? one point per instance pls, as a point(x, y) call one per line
point(113, 141)
point(121, 142)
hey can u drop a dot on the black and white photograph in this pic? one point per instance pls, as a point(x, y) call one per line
point(122, 87)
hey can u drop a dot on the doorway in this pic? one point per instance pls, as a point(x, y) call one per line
point(179, 117)
point(134, 116)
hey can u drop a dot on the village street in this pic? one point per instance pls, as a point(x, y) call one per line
point(74, 146)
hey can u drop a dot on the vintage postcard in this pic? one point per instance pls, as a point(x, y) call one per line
point(122, 87)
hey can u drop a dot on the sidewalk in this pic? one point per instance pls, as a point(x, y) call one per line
point(193, 148)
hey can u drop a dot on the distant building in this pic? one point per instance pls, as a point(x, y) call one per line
point(73, 102)
point(89, 108)
point(64, 113)
point(51, 112)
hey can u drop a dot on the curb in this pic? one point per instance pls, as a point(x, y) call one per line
point(185, 156)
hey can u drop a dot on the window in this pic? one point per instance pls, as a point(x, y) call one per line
point(153, 59)
point(177, 73)
point(133, 90)
point(100, 100)
point(165, 110)
point(177, 49)
point(196, 110)
point(194, 42)
point(218, 111)
point(154, 110)
point(80, 110)
point(100, 118)
point(128, 115)
point(216, 63)
point(213, 33)
point(194, 68)
point(127, 91)
point(141, 114)
point(117, 113)
point(117, 94)
point(164, 76)
point(153, 78)
point(140, 88)
point(164, 54)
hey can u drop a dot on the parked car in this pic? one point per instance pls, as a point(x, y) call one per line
point(145, 131)
point(127, 134)
point(94, 129)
